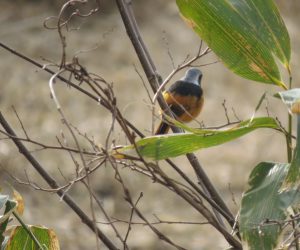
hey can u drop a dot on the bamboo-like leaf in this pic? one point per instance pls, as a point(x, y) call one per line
point(172, 145)
point(244, 34)
point(263, 202)
point(266, 20)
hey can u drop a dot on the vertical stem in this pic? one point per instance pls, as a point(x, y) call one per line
point(290, 128)
point(298, 132)
point(297, 247)
point(289, 138)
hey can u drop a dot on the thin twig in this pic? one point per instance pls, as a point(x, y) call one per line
point(44, 146)
point(176, 70)
point(139, 213)
point(109, 221)
point(71, 84)
point(53, 184)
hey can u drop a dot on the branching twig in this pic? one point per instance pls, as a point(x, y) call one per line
point(139, 213)
point(178, 68)
point(75, 86)
point(53, 184)
point(44, 146)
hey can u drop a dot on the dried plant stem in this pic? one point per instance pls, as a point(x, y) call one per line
point(53, 184)
point(75, 86)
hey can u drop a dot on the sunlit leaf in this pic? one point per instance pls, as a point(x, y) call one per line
point(172, 145)
point(264, 203)
point(266, 20)
point(20, 239)
point(244, 34)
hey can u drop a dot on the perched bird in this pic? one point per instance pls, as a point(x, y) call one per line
point(185, 99)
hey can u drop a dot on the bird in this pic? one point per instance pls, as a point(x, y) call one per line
point(185, 99)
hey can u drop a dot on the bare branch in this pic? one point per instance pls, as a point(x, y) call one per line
point(53, 184)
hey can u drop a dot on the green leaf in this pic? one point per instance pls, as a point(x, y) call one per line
point(263, 202)
point(244, 34)
point(292, 180)
point(265, 18)
point(20, 240)
point(172, 145)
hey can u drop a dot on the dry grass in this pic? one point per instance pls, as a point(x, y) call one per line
point(26, 88)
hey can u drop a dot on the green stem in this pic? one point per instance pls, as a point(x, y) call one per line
point(289, 138)
point(298, 132)
point(290, 128)
point(297, 247)
point(28, 231)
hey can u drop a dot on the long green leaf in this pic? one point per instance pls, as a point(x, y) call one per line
point(262, 203)
point(244, 34)
point(266, 20)
point(166, 146)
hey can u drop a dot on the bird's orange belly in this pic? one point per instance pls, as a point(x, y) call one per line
point(185, 108)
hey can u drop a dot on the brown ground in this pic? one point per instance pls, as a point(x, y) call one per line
point(26, 87)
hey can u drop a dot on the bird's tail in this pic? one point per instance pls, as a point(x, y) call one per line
point(163, 128)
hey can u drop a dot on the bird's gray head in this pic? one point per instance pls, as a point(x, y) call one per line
point(193, 75)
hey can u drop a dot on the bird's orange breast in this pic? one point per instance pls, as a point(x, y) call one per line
point(185, 107)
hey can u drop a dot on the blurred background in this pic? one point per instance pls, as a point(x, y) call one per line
point(106, 50)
